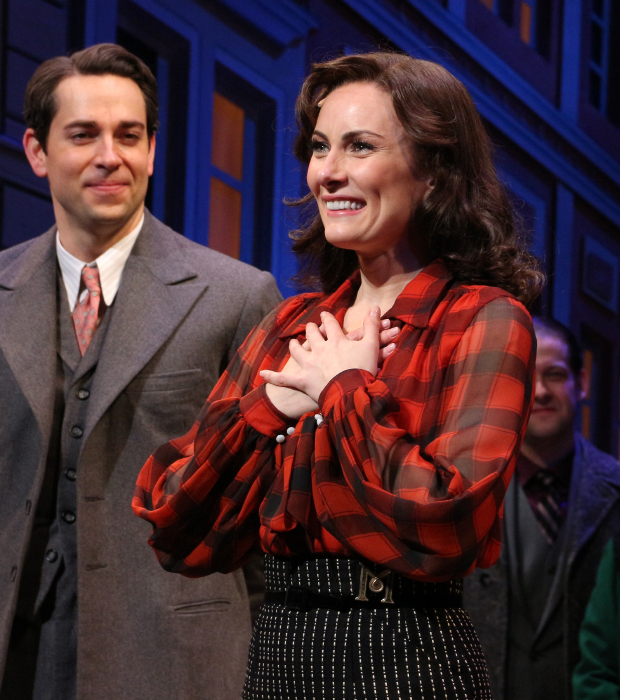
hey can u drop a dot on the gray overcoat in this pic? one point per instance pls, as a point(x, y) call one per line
point(180, 313)
point(593, 517)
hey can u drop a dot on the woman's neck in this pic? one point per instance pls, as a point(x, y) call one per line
point(383, 278)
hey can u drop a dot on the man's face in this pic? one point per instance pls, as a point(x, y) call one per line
point(558, 391)
point(98, 157)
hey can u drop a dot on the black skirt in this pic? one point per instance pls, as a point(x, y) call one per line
point(386, 652)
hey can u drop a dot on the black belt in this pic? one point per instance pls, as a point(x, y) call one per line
point(303, 599)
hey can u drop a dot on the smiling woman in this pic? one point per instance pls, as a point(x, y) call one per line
point(364, 435)
point(362, 173)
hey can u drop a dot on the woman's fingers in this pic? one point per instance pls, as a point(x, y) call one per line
point(372, 325)
point(331, 325)
point(386, 351)
point(275, 378)
point(327, 352)
point(314, 335)
point(280, 379)
point(298, 351)
point(388, 336)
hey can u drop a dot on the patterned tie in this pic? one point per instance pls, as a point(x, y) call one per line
point(550, 508)
point(86, 312)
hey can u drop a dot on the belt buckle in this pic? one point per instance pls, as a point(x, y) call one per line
point(298, 598)
point(378, 583)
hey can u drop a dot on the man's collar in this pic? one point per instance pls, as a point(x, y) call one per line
point(413, 306)
point(561, 469)
point(110, 264)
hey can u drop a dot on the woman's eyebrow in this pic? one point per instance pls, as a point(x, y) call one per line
point(349, 135)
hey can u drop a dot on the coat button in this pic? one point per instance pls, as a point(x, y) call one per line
point(28, 506)
point(68, 516)
point(83, 394)
point(485, 579)
point(71, 474)
point(76, 431)
point(51, 555)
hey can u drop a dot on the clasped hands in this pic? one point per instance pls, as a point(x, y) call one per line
point(326, 352)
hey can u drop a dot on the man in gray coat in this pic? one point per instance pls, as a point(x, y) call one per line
point(113, 329)
point(561, 508)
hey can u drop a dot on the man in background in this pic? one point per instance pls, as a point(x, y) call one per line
point(113, 329)
point(560, 511)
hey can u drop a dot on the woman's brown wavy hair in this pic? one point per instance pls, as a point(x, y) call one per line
point(466, 219)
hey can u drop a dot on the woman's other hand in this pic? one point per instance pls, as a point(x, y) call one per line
point(323, 356)
point(387, 337)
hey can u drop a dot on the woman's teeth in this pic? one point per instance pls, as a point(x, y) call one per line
point(343, 204)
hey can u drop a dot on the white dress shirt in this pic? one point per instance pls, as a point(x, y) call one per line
point(110, 264)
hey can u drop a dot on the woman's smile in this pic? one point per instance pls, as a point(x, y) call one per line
point(338, 206)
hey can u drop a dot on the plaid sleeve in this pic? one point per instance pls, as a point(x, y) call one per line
point(426, 450)
point(186, 486)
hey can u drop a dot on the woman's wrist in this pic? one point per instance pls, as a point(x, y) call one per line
point(290, 402)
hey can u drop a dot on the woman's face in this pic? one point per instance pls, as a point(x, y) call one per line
point(361, 171)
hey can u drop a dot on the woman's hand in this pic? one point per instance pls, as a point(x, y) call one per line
point(324, 355)
point(291, 402)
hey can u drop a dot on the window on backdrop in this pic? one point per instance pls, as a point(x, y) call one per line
point(166, 53)
point(502, 8)
point(527, 25)
point(227, 184)
point(242, 170)
point(597, 422)
point(530, 18)
point(604, 67)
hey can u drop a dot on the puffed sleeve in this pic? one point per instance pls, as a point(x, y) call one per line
point(183, 488)
point(426, 450)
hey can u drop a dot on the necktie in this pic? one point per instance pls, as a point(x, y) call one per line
point(86, 312)
point(550, 508)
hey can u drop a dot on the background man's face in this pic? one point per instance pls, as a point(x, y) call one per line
point(98, 158)
point(558, 391)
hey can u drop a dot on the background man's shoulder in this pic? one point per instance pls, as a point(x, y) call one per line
point(601, 461)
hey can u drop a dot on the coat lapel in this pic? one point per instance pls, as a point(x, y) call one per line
point(511, 553)
point(28, 324)
point(158, 288)
point(598, 490)
point(593, 495)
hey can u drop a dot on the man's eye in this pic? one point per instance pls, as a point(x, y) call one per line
point(557, 375)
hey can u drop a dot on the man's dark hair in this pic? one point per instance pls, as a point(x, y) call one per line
point(40, 105)
point(558, 330)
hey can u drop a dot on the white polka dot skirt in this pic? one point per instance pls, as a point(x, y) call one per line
point(386, 652)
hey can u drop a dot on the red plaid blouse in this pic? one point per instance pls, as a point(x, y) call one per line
point(408, 469)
